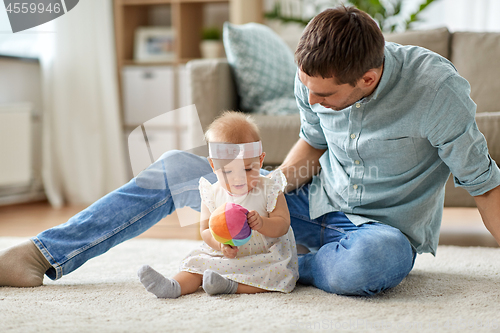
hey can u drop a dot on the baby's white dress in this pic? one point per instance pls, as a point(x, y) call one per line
point(263, 262)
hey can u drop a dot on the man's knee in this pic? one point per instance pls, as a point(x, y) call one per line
point(368, 265)
point(356, 280)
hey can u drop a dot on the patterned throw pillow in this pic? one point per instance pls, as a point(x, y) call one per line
point(264, 68)
point(278, 106)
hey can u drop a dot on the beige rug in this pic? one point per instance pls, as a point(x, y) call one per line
point(458, 291)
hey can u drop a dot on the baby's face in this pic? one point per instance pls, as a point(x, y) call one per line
point(239, 176)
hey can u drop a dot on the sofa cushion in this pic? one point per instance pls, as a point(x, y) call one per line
point(278, 106)
point(278, 134)
point(211, 88)
point(437, 40)
point(475, 55)
point(264, 68)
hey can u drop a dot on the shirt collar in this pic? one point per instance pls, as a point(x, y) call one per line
point(389, 64)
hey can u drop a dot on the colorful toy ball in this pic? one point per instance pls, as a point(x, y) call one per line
point(228, 224)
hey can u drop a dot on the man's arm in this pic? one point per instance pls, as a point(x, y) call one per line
point(489, 208)
point(301, 164)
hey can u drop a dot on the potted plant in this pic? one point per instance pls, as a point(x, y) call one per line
point(387, 13)
point(211, 44)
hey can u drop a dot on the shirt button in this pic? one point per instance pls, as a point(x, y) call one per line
point(355, 186)
point(358, 105)
point(353, 136)
point(356, 162)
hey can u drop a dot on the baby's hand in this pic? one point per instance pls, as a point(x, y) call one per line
point(229, 251)
point(255, 221)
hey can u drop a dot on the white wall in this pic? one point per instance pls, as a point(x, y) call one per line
point(24, 43)
point(463, 15)
point(4, 21)
point(20, 81)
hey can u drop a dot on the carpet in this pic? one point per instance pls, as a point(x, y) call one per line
point(457, 291)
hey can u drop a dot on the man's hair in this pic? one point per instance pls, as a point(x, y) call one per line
point(233, 127)
point(341, 42)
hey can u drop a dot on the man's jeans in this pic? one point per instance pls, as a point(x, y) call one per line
point(345, 259)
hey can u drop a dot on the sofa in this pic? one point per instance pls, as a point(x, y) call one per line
point(475, 55)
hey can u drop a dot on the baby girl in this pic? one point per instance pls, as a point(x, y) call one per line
point(268, 261)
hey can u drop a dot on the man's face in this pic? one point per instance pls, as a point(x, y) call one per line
point(329, 94)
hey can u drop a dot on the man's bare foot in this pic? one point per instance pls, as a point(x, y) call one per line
point(22, 265)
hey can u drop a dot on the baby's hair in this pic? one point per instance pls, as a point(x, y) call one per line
point(233, 127)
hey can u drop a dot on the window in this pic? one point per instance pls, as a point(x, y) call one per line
point(24, 44)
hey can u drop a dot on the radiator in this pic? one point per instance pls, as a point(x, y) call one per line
point(15, 145)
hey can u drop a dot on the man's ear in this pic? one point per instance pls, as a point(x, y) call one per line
point(369, 78)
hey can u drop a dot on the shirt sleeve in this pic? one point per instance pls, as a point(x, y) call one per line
point(310, 127)
point(451, 127)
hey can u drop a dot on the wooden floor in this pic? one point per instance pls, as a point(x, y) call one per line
point(461, 226)
point(26, 220)
point(464, 227)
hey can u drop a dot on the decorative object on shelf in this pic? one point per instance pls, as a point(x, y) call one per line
point(211, 44)
point(389, 14)
point(154, 44)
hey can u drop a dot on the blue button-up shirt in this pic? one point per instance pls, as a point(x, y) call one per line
point(390, 154)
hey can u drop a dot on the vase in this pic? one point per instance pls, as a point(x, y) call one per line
point(211, 49)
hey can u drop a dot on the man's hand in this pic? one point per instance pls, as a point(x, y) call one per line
point(229, 251)
point(255, 221)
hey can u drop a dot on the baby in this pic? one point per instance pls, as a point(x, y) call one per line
point(268, 261)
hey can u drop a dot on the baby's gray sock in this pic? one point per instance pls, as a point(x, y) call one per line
point(214, 283)
point(158, 284)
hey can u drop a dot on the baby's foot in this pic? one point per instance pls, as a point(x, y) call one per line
point(214, 283)
point(22, 265)
point(157, 284)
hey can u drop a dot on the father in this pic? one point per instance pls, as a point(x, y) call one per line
point(385, 122)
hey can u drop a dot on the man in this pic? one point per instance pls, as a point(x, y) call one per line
point(386, 123)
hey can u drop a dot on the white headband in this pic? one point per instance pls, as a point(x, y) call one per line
point(231, 151)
